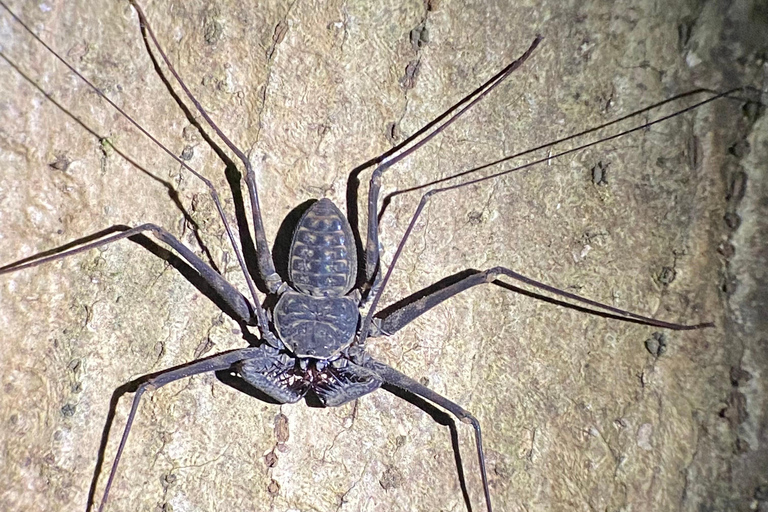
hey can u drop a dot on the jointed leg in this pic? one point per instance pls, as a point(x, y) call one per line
point(266, 265)
point(233, 298)
point(390, 322)
point(211, 364)
point(437, 126)
point(391, 376)
point(260, 315)
point(367, 321)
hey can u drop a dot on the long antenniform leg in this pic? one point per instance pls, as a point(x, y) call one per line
point(625, 315)
point(211, 364)
point(398, 316)
point(260, 315)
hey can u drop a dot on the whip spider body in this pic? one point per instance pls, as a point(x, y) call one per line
point(100, 319)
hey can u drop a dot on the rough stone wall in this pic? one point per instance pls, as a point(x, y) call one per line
point(577, 413)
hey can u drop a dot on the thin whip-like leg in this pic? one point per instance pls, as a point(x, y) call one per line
point(372, 242)
point(393, 377)
point(730, 94)
point(265, 264)
point(366, 323)
point(211, 364)
point(233, 298)
point(389, 322)
point(259, 312)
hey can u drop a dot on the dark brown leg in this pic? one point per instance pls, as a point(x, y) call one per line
point(391, 320)
point(436, 126)
point(260, 315)
point(393, 377)
point(265, 264)
point(233, 298)
point(368, 319)
point(211, 364)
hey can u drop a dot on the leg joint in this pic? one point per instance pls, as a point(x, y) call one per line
point(492, 273)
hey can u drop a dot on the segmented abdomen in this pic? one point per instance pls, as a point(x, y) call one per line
point(323, 259)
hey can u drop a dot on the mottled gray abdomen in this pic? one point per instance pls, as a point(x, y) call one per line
point(316, 327)
point(323, 258)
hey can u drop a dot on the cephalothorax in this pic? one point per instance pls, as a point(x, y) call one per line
point(312, 331)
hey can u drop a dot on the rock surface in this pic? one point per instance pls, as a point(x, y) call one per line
point(577, 414)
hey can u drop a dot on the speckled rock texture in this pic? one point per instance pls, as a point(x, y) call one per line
point(579, 412)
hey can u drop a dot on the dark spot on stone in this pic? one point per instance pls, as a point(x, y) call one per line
point(694, 152)
point(271, 459)
point(738, 186)
point(408, 81)
point(60, 164)
point(273, 488)
point(424, 381)
point(739, 376)
point(168, 480)
point(68, 410)
point(281, 428)
point(656, 345)
point(74, 365)
point(213, 32)
point(736, 410)
point(740, 149)
point(752, 111)
point(475, 217)
point(203, 347)
point(667, 275)
point(393, 133)
point(391, 478)
point(190, 133)
point(600, 173)
point(280, 30)
point(159, 349)
point(187, 153)
point(726, 249)
point(741, 446)
point(684, 31)
point(419, 37)
point(732, 220)
point(729, 285)
point(503, 470)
